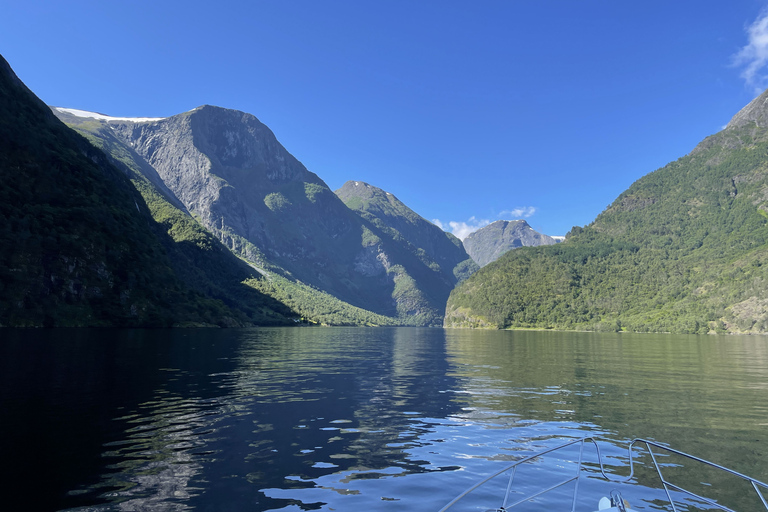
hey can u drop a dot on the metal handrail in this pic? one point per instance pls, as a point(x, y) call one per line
point(756, 484)
point(513, 467)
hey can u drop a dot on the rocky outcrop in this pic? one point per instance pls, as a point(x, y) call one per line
point(756, 112)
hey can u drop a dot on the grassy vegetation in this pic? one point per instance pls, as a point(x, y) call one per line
point(682, 250)
point(315, 306)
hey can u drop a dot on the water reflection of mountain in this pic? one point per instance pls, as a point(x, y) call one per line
point(89, 415)
point(345, 401)
point(174, 419)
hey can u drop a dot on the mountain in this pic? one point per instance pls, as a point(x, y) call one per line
point(445, 262)
point(79, 246)
point(684, 249)
point(386, 210)
point(488, 243)
point(228, 171)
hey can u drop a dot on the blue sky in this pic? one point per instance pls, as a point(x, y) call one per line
point(468, 112)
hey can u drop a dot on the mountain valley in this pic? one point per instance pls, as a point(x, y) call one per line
point(227, 170)
point(204, 218)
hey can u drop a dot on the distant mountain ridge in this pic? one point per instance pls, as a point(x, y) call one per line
point(490, 242)
point(682, 250)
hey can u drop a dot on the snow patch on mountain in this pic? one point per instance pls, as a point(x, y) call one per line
point(102, 117)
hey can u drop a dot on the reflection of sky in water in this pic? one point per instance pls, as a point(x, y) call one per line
point(444, 471)
point(383, 419)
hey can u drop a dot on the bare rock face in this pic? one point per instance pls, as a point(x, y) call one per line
point(372, 261)
point(755, 112)
point(489, 243)
point(220, 164)
point(230, 172)
point(168, 148)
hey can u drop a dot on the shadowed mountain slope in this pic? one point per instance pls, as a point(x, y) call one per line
point(78, 244)
point(387, 211)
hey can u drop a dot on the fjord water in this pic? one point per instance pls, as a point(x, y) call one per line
point(350, 419)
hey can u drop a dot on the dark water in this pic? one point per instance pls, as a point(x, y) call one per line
point(354, 419)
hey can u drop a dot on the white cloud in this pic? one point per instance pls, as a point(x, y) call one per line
point(754, 56)
point(462, 229)
point(521, 211)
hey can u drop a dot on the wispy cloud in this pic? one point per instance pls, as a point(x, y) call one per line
point(754, 56)
point(462, 229)
point(519, 212)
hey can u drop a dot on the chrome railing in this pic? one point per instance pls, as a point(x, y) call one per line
point(755, 484)
point(758, 486)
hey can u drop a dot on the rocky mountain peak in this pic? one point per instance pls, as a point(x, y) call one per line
point(755, 112)
point(363, 191)
point(490, 242)
point(234, 139)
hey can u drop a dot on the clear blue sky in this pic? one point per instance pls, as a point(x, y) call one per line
point(466, 111)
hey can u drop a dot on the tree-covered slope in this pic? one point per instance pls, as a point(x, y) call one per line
point(78, 246)
point(684, 249)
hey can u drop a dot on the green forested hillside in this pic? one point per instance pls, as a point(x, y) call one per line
point(684, 249)
point(78, 246)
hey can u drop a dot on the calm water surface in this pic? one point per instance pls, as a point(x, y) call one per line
point(353, 419)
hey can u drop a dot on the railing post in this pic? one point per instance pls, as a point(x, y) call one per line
point(509, 488)
point(578, 475)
